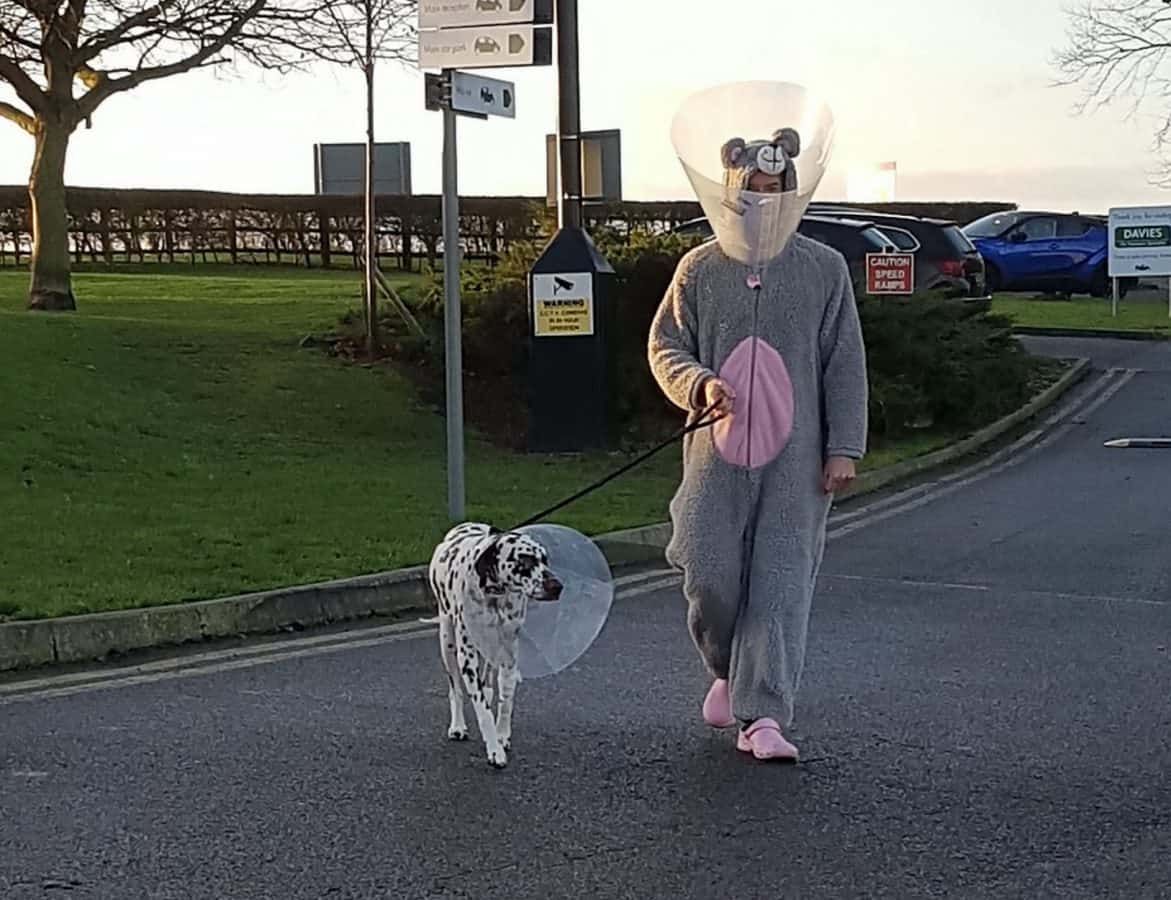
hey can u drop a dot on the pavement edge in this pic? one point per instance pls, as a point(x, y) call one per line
point(74, 639)
point(1121, 334)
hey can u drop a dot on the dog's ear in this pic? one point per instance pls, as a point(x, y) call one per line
point(487, 568)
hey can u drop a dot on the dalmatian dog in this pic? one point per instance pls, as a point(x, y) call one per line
point(484, 580)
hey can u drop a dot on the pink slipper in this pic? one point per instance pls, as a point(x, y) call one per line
point(717, 705)
point(763, 739)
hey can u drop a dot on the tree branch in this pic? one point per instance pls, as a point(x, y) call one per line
point(107, 87)
point(1119, 51)
point(121, 33)
point(26, 89)
point(18, 117)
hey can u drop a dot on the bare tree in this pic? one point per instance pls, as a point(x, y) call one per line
point(1117, 50)
point(369, 32)
point(62, 59)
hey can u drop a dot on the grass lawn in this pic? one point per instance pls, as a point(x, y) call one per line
point(171, 441)
point(1136, 313)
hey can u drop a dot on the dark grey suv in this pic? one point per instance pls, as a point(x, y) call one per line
point(945, 260)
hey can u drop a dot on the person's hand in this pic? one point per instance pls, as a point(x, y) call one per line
point(718, 396)
point(839, 473)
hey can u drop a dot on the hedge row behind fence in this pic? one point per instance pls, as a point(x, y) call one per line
point(139, 225)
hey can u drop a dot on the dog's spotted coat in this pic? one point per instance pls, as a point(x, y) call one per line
point(483, 580)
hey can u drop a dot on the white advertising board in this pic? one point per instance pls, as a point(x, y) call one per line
point(1139, 241)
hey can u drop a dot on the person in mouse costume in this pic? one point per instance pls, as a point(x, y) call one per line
point(761, 326)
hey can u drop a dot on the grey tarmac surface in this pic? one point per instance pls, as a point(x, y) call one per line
point(985, 713)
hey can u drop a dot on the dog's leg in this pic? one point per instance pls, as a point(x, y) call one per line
point(508, 680)
point(471, 671)
point(458, 729)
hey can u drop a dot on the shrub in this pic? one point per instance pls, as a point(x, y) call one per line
point(932, 362)
point(947, 363)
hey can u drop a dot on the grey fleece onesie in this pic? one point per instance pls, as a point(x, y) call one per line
point(750, 514)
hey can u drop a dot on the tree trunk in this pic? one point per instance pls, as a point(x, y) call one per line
point(51, 287)
point(371, 291)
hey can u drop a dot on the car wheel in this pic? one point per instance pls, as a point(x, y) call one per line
point(993, 283)
point(1100, 284)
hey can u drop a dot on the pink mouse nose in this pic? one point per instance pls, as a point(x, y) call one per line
point(553, 588)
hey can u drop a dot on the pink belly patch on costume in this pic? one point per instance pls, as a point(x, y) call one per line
point(771, 416)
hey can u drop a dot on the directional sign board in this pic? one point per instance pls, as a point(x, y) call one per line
point(479, 96)
point(484, 48)
point(461, 13)
point(563, 305)
point(1140, 241)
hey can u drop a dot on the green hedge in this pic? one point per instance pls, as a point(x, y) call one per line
point(933, 362)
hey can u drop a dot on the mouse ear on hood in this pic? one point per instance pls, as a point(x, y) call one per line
point(732, 153)
point(788, 140)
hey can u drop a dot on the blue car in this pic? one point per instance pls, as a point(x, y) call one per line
point(1040, 251)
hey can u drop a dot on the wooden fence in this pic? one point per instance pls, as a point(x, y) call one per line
point(110, 226)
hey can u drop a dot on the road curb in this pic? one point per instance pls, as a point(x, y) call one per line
point(1092, 333)
point(73, 639)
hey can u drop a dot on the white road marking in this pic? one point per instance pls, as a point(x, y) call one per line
point(1068, 410)
point(1000, 462)
point(906, 582)
point(249, 657)
point(197, 659)
point(987, 588)
point(188, 672)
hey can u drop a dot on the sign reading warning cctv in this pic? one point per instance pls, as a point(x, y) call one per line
point(563, 305)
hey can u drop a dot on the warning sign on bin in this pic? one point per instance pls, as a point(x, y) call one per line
point(890, 273)
point(563, 305)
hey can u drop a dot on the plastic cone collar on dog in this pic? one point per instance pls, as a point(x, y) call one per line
point(724, 135)
point(555, 635)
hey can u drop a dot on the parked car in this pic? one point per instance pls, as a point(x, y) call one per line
point(851, 237)
point(945, 259)
point(1043, 251)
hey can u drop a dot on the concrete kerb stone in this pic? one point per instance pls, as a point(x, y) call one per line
point(1121, 334)
point(87, 638)
point(24, 645)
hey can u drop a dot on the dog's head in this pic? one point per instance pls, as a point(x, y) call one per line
point(512, 569)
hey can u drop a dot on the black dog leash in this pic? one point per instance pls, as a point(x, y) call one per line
point(700, 423)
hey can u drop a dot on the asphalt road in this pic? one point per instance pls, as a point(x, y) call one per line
point(985, 713)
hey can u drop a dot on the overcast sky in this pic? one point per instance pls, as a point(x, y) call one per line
point(958, 93)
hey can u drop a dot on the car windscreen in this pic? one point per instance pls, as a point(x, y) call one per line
point(991, 226)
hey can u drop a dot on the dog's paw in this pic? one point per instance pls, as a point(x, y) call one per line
point(498, 759)
point(506, 743)
point(457, 734)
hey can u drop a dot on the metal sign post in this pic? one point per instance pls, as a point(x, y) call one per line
point(452, 322)
point(445, 42)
